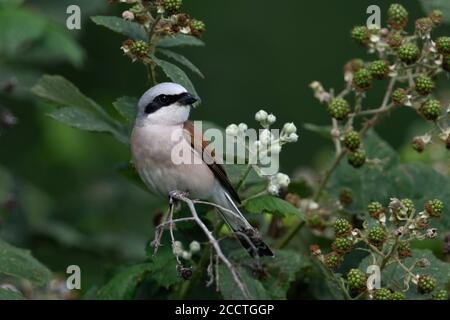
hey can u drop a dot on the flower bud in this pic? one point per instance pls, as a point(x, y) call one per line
point(232, 130)
point(293, 137)
point(283, 180)
point(265, 136)
point(261, 116)
point(186, 255)
point(128, 15)
point(243, 127)
point(289, 128)
point(194, 246)
point(271, 119)
point(177, 248)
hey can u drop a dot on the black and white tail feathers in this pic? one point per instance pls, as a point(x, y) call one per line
point(246, 234)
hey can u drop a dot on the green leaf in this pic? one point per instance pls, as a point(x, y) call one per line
point(164, 268)
point(80, 119)
point(11, 3)
point(62, 92)
point(6, 294)
point(230, 290)
point(58, 44)
point(124, 284)
point(20, 263)
point(175, 74)
point(127, 108)
point(282, 271)
point(127, 28)
point(18, 27)
point(393, 275)
point(443, 5)
point(180, 40)
point(272, 205)
point(182, 60)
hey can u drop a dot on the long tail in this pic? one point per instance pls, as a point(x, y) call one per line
point(247, 235)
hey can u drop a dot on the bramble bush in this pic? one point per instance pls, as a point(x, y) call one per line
point(357, 234)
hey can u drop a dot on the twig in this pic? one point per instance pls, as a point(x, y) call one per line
point(160, 229)
point(236, 277)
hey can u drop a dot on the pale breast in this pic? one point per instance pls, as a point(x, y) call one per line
point(166, 162)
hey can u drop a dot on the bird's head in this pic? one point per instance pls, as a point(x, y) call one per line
point(166, 103)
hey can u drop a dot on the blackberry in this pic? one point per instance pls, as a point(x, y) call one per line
point(431, 109)
point(441, 295)
point(408, 53)
point(333, 260)
point(357, 158)
point(339, 108)
point(352, 141)
point(379, 69)
point(356, 280)
point(342, 227)
point(362, 80)
point(342, 245)
point(409, 204)
point(377, 236)
point(361, 35)
point(172, 6)
point(424, 85)
point(443, 45)
point(426, 284)
point(382, 294)
point(404, 250)
point(434, 208)
point(397, 16)
point(399, 96)
point(397, 295)
point(375, 209)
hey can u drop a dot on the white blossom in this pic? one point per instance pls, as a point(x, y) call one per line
point(194, 246)
point(232, 130)
point(128, 15)
point(283, 180)
point(261, 116)
point(271, 119)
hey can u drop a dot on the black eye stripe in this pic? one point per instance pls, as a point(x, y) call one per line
point(163, 100)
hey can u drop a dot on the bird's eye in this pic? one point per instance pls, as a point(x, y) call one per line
point(163, 98)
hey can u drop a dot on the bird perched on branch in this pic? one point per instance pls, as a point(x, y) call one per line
point(161, 130)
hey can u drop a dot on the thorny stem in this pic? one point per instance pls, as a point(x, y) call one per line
point(378, 113)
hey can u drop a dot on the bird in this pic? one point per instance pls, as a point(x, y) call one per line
point(162, 125)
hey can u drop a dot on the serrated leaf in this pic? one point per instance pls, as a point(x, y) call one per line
point(164, 268)
point(124, 284)
point(182, 60)
point(18, 27)
point(80, 119)
point(6, 294)
point(180, 40)
point(270, 204)
point(231, 291)
point(393, 275)
point(443, 5)
point(127, 28)
point(127, 108)
point(20, 263)
point(175, 74)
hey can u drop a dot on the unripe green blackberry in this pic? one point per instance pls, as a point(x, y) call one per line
point(197, 27)
point(441, 295)
point(356, 280)
point(377, 235)
point(409, 205)
point(342, 245)
point(397, 295)
point(357, 158)
point(140, 48)
point(424, 85)
point(446, 63)
point(352, 141)
point(361, 35)
point(394, 40)
point(362, 80)
point(379, 69)
point(339, 108)
point(431, 109)
point(436, 16)
point(375, 209)
point(424, 26)
point(333, 260)
point(443, 45)
point(434, 208)
point(353, 65)
point(397, 16)
point(382, 294)
point(404, 250)
point(408, 53)
point(426, 284)
point(172, 6)
point(342, 227)
point(399, 96)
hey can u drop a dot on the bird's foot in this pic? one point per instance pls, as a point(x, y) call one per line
point(176, 194)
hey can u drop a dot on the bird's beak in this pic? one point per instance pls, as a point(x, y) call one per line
point(187, 99)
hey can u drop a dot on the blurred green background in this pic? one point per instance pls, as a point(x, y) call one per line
point(61, 184)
